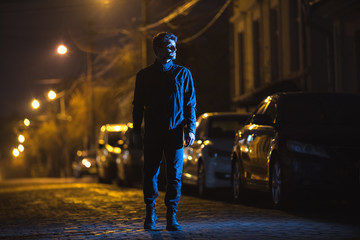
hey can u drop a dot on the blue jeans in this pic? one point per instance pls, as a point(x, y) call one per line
point(170, 143)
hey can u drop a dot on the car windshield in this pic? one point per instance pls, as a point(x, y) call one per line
point(330, 111)
point(225, 127)
point(114, 138)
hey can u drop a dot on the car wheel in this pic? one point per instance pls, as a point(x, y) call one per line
point(277, 186)
point(202, 190)
point(238, 188)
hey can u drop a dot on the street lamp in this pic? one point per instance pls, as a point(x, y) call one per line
point(21, 148)
point(35, 104)
point(21, 138)
point(51, 95)
point(15, 152)
point(26, 122)
point(62, 49)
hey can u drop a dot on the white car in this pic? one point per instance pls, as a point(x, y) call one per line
point(207, 163)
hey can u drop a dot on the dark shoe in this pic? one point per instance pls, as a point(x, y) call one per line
point(172, 224)
point(150, 218)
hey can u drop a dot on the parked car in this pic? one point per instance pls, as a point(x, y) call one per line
point(84, 163)
point(110, 140)
point(207, 163)
point(118, 160)
point(130, 161)
point(296, 142)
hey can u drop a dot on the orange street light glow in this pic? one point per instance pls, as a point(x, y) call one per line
point(21, 138)
point(51, 95)
point(35, 104)
point(21, 148)
point(16, 152)
point(26, 122)
point(62, 49)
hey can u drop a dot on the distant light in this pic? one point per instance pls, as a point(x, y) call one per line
point(21, 138)
point(35, 104)
point(51, 95)
point(79, 153)
point(86, 163)
point(15, 152)
point(62, 49)
point(21, 148)
point(268, 99)
point(206, 142)
point(26, 122)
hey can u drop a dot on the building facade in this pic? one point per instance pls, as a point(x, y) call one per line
point(294, 45)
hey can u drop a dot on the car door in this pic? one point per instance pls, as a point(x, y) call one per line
point(257, 140)
point(265, 134)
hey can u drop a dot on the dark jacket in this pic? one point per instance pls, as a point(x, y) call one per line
point(167, 96)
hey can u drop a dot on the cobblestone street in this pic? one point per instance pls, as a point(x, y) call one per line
point(84, 209)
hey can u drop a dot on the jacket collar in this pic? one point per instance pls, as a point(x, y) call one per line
point(164, 67)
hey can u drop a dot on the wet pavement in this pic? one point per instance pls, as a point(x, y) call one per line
point(83, 209)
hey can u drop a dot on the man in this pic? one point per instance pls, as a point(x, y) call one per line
point(165, 92)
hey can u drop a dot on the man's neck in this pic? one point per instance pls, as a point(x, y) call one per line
point(163, 61)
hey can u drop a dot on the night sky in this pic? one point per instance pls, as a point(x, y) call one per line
point(30, 32)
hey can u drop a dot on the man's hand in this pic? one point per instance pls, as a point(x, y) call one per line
point(189, 139)
point(138, 142)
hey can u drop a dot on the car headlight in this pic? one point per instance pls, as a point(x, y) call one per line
point(86, 163)
point(306, 148)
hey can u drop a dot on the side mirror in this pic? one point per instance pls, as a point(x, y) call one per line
point(262, 119)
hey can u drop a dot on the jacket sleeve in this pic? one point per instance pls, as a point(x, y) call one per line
point(189, 102)
point(138, 103)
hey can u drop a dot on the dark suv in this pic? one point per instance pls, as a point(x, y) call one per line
point(299, 141)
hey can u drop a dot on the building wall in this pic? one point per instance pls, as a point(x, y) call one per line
point(287, 45)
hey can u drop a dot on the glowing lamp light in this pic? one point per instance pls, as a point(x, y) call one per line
point(35, 104)
point(21, 138)
point(15, 152)
point(21, 148)
point(52, 95)
point(26, 122)
point(62, 49)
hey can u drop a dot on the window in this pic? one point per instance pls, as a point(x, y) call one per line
point(225, 127)
point(294, 35)
point(241, 62)
point(271, 110)
point(357, 47)
point(256, 53)
point(274, 43)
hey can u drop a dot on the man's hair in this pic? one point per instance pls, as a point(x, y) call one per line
point(161, 39)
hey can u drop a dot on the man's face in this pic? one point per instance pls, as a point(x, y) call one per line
point(167, 52)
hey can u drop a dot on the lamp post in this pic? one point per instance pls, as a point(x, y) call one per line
point(89, 141)
point(63, 117)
